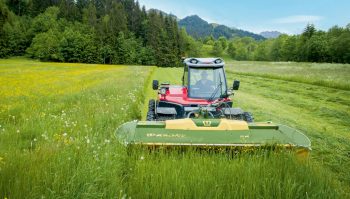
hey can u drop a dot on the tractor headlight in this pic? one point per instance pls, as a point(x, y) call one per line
point(218, 61)
point(163, 91)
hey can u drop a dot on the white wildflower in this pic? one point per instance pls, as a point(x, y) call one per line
point(45, 136)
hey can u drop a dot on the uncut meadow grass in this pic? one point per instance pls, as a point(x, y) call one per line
point(164, 174)
point(57, 138)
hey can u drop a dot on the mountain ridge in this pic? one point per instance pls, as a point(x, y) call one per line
point(199, 28)
point(270, 34)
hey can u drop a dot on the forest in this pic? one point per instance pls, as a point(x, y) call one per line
point(123, 32)
point(332, 46)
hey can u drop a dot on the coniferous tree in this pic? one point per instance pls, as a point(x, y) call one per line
point(119, 31)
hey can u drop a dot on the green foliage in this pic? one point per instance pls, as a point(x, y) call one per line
point(231, 50)
point(209, 40)
point(241, 48)
point(340, 47)
point(223, 42)
point(150, 34)
point(128, 49)
point(77, 47)
point(13, 35)
point(193, 47)
point(46, 46)
point(311, 46)
point(111, 32)
point(89, 15)
point(46, 21)
point(217, 49)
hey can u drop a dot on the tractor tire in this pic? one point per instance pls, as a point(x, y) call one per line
point(151, 114)
point(155, 84)
point(248, 117)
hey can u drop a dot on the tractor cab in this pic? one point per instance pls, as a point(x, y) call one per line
point(205, 78)
point(204, 88)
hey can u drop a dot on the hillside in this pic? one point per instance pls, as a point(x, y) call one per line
point(199, 28)
point(270, 34)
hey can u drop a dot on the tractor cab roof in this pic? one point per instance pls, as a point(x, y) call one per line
point(204, 62)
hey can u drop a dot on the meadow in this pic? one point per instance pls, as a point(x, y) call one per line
point(57, 125)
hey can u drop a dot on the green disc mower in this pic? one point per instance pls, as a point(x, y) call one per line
point(200, 114)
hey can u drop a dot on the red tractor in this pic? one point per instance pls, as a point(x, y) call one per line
point(204, 92)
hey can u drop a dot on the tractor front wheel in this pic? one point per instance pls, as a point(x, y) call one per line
point(151, 114)
point(248, 117)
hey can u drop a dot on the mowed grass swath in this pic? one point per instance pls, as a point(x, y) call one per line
point(314, 98)
point(321, 74)
point(57, 138)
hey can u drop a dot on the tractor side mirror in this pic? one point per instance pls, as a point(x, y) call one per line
point(155, 84)
point(235, 85)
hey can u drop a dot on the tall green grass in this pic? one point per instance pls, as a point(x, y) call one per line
point(57, 132)
point(164, 174)
point(57, 138)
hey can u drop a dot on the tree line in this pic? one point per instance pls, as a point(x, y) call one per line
point(311, 46)
point(122, 32)
point(91, 31)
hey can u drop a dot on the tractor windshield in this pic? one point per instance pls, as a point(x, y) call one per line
point(206, 83)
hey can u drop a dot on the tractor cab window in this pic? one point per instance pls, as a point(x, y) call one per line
point(206, 83)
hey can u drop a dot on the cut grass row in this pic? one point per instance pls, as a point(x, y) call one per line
point(322, 113)
point(324, 74)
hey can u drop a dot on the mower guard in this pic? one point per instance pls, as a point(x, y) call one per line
point(212, 133)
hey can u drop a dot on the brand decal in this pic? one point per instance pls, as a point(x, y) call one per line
point(165, 135)
point(244, 137)
point(207, 123)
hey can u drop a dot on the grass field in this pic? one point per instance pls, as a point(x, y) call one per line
point(57, 124)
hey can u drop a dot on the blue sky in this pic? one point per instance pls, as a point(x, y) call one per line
point(288, 16)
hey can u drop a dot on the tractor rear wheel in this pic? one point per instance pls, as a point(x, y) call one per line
point(248, 117)
point(151, 114)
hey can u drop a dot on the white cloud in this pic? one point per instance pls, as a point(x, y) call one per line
point(298, 19)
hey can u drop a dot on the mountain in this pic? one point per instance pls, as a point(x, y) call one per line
point(163, 13)
point(270, 34)
point(199, 28)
